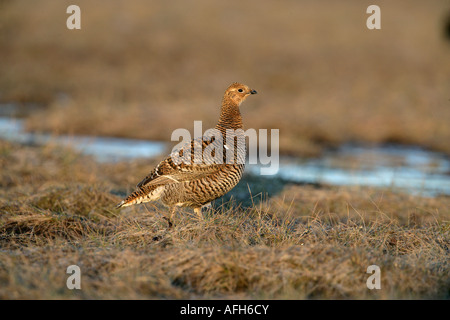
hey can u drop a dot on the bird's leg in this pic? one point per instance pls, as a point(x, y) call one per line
point(172, 212)
point(198, 211)
point(169, 220)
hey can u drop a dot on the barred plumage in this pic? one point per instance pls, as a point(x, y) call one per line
point(191, 184)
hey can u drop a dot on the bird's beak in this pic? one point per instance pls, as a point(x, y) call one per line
point(253, 92)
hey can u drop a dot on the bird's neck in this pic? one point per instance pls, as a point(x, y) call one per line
point(230, 116)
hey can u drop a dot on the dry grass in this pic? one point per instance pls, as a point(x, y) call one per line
point(57, 209)
point(323, 77)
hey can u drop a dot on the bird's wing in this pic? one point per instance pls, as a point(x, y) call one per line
point(181, 166)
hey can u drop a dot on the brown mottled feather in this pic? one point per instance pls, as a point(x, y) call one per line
point(197, 184)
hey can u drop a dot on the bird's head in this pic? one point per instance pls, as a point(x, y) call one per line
point(238, 92)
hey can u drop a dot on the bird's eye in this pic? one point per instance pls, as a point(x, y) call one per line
point(240, 90)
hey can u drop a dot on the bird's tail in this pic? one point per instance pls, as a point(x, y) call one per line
point(126, 202)
point(123, 203)
point(140, 196)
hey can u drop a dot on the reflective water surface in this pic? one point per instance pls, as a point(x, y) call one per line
point(104, 149)
point(410, 169)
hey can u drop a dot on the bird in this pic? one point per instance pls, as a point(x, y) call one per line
point(194, 183)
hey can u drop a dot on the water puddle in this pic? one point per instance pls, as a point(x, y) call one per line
point(101, 148)
point(410, 169)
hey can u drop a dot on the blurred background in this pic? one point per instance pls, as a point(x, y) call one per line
point(140, 69)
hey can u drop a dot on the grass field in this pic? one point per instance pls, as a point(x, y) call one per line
point(300, 242)
point(141, 69)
